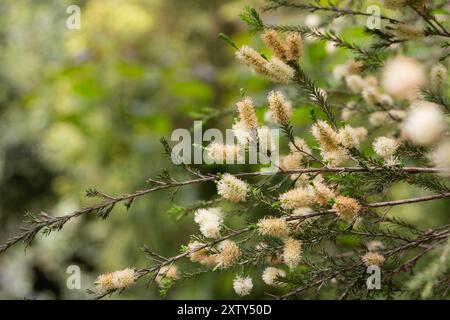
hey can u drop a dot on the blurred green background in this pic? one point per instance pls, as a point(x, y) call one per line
point(81, 108)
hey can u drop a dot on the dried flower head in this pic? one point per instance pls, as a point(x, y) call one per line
point(270, 275)
point(424, 123)
point(294, 46)
point(438, 75)
point(232, 188)
point(299, 146)
point(275, 43)
point(229, 253)
point(373, 259)
point(292, 250)
point(281, 108)
point(247, 113)
point(220, 153)
point(242, 285)
point(402, 77)
point(273, 227)
point(395, 4)
point(407, 31)
point(296, 198)
point(210, 221)
point(348, 137)
point(346, 208)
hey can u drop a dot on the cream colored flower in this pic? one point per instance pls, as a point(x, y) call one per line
point(424, 124)
point(271, 274)
point(373, 259)
point(403, 77)
point(232, 188)
point(242, 285)
point(346, 208)
point(273, 227)
point(280, 108)
point(296, 198)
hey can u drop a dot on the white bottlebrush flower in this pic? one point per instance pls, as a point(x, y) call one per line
point(219, 152)
point(296, 198)
point(322, 193)
point(270, 275)
point(167, 274)
point(340, 72)
point(266, 140)
point(210, 221)
point(294, 46)
point(275, 43)
point(253, 59)
point(361, 133)
point(348, 137)
point(195, 253)
point(280, 108)
point(395, 4)
point(438, 76)
point(397, 114)
point(330, 47)
point(247, 113)
point(355, 83)
point(242, 285)
point(335, 157)
point(292, 250)
point(229, 253)
point(371, 96)
point(232, 188)
point(347, 113)
point(346, 208)
point(243, 135)
point(278, 71)
point(424, 123)
point(441, 155)
point(402, 77)
point(273, 227)
point(385, 147)
point(375, 245)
